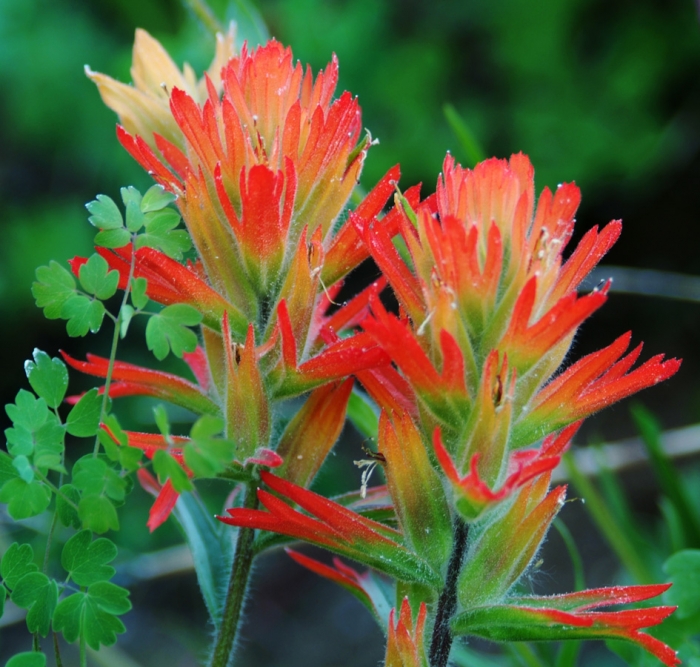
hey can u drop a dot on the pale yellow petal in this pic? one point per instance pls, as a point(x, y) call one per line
point(153, 70)
point(138, 112)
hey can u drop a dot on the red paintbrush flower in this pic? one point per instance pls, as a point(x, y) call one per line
point(405, 645)
point(561, 617)
point(486, 276)
point(334, 527)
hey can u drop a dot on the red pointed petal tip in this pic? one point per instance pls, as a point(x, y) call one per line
point(166, 498)
point(340, 574)
point(265, 457)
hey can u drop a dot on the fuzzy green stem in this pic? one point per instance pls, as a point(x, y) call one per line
point(83, 651)
point(237, 587)
point(441, 642)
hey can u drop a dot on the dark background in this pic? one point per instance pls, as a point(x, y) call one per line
point(603, 93)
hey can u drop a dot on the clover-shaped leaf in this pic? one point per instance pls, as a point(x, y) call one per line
point(36, 592)
point(17, 561)
point(84, 418)
point(86, 561)
point(156, 198)
point(48, 377)
point(168, 331)
point(96, 277)
point(54, 286)
point(105, 213)
point(24, 499)
point(92, 615)
point(83, 315)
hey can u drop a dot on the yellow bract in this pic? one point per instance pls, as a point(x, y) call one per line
point(144, 107)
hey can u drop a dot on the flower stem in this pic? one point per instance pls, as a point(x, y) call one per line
point(237, 586)
point(115, 343)
point(441, 642)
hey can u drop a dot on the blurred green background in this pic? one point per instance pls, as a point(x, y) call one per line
point(606, 94)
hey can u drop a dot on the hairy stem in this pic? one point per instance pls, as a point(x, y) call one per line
point(441, 642)
point(237, 586)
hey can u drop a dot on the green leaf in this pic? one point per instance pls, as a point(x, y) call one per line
point(98, 514)
point(161, 233)
point(167, 331)
point(17, 561)
point(27, 410)
point(83, 315)
point(138, 292)
point(156, 198)
point(113, 238)
point(96, 277)
point(211, 550)
point(130, 457)
point(24, 500)
point(94, 477)
point(112, 598)
point(127, 313)
point(86, 561)
point(134, 217)
point(105, 213)
point(48, 377)
point(207, 455)
point(684, 570)
point(49, 445)
point(54, 286)
point(92, 615)
point(131, 195)
point(7, 470)
point(84, 418)
point(27, 659)
point(39, 594)
point(67, 512)
point(161, 417)
point(167, 467)
point(24, 468)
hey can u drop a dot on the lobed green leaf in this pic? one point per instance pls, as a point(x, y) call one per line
point(168, 331)
point(105, 213)
point(67, 506)
point(138, 292)
point(24, 499)
point(83, 315)
point(98, 514)
point(86, 561)
point(36, 592)
point(54, 286)
point(84, 418)
point(96, 277)
point(113, 238)
point(48, 377)
point(156, 198)
point(92, 615)
point(16, 562)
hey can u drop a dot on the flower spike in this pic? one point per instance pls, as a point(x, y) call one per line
point(334, 527)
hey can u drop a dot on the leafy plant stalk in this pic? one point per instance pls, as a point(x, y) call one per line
point(441, 642)
point(238, 584)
